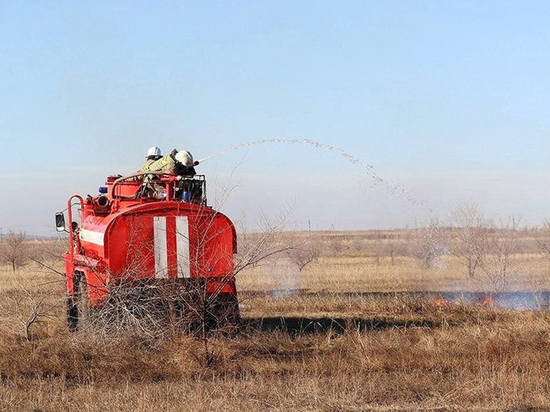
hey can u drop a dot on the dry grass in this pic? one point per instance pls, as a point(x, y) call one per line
point(383, 261)
point(368, 274)
point(483, 359)
point(407, 354)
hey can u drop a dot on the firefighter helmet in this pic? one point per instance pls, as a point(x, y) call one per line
point(185, 158)
point(153, 151)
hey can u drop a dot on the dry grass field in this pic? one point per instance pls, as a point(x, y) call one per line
point(394, 353)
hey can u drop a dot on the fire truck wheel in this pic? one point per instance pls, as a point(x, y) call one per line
point(84, 309)
point(72, 315)
point(81, 308)
point(223, 313)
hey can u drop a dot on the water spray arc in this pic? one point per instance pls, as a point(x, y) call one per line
point(394, 188)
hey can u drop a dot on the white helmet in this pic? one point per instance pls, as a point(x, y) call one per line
point(153, 151)
point(186, 158)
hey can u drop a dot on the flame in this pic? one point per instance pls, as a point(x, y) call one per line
point(487, 301)
point(441, 302)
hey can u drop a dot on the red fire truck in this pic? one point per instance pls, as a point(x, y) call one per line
point(147, 228)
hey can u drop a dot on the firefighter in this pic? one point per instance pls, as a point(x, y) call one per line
point(153, 154)
point(177, 162)
point(185, 165)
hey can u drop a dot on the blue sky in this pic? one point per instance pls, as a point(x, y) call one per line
point(449, 99)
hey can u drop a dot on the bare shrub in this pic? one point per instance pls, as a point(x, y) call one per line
point(262, 245)
point(358, 243)
point(543, 240)
point(499, 264)
point(470, 236)
point(26, 309)
point(336, 244)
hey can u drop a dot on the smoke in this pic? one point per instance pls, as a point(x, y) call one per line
point(521, 300)
point(284, 279)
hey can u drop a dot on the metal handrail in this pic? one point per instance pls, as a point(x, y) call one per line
point(123, 178)
point(138, 174)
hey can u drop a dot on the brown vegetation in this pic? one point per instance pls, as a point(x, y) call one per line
point(396, 353)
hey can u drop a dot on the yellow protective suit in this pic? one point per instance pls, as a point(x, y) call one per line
point(165, 164)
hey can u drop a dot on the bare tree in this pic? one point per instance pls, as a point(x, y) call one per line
point(14, 252)
point(470, 236)
point(303, 254)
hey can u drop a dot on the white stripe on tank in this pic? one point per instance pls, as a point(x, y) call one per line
point(182, 244)
point(160, 247)
point(91, 236)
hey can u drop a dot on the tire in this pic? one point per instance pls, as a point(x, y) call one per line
point(78, 311)
point(72, 315)
point(223, 313)
point(84, 312)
